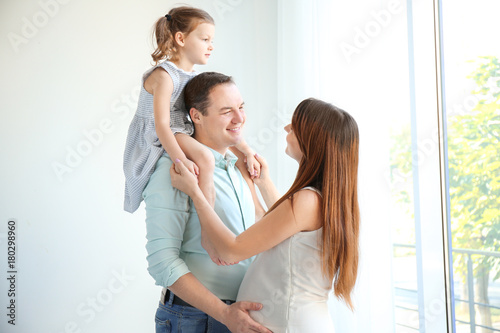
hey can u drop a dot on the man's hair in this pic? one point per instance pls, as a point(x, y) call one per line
point(197, 90)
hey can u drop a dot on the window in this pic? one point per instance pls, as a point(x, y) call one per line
point(472, 109)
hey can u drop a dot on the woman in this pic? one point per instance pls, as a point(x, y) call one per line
point(308, 240)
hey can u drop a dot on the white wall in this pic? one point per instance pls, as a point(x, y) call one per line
point(73, 69)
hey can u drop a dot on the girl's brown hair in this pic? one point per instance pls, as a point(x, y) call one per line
point(329, 141)
point(181, 19)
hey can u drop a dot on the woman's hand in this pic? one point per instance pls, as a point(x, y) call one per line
point(253, 166)
point(192, 167)
point(183, 179)
point(266, 187)
point(264, 171)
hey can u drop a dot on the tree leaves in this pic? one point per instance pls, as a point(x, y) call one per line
point(474, 167)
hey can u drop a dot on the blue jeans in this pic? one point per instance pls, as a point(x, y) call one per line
point(173, 318)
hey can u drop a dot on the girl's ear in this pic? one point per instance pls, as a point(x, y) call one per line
point(179, 38)
point(195, 115)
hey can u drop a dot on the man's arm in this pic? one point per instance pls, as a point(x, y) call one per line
point(167, 211)
point(234, 316)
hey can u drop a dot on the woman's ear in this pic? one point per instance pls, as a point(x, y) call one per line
point(195, 115)
point(179, 38)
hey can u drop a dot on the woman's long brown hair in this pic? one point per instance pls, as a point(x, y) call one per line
point(329, 140)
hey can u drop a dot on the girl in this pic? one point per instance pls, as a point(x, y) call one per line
point(184, 39)
point(308, 240)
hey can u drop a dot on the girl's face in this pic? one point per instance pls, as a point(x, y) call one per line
point(292, 144)
point(197, 46)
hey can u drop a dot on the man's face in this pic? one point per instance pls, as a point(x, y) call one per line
point(222, 126)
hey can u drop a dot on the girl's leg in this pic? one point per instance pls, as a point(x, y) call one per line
point(204, 159)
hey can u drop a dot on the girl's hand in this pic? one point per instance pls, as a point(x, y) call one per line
point(264, 170)
point(182, 178)
point(253, 166)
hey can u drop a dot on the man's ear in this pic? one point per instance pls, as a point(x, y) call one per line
point(195, 115)
point(179, 38)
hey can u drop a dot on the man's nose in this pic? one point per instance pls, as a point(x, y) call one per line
point(211, 47)
point(239, 117)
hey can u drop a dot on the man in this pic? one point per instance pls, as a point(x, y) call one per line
point(199, 292)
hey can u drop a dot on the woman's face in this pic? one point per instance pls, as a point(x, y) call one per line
point(292, 145)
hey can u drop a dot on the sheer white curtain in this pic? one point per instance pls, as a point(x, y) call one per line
point(376, 60)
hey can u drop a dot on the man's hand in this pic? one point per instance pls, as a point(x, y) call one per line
point(238, 320)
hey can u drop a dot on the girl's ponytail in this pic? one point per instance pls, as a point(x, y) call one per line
point(181, 19)
point(164, 40)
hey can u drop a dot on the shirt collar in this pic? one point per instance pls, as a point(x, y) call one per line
point(224, 161)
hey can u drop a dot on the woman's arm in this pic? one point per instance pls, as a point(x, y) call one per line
point(259, 209)
point(263, 181)
point(271, 230)
point(247, 155)
point(266, 186)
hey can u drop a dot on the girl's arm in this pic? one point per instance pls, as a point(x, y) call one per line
point(205, 162)
point(161, 86)
point(272, 229)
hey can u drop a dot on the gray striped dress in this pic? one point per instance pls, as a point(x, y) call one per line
point(143, 148)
